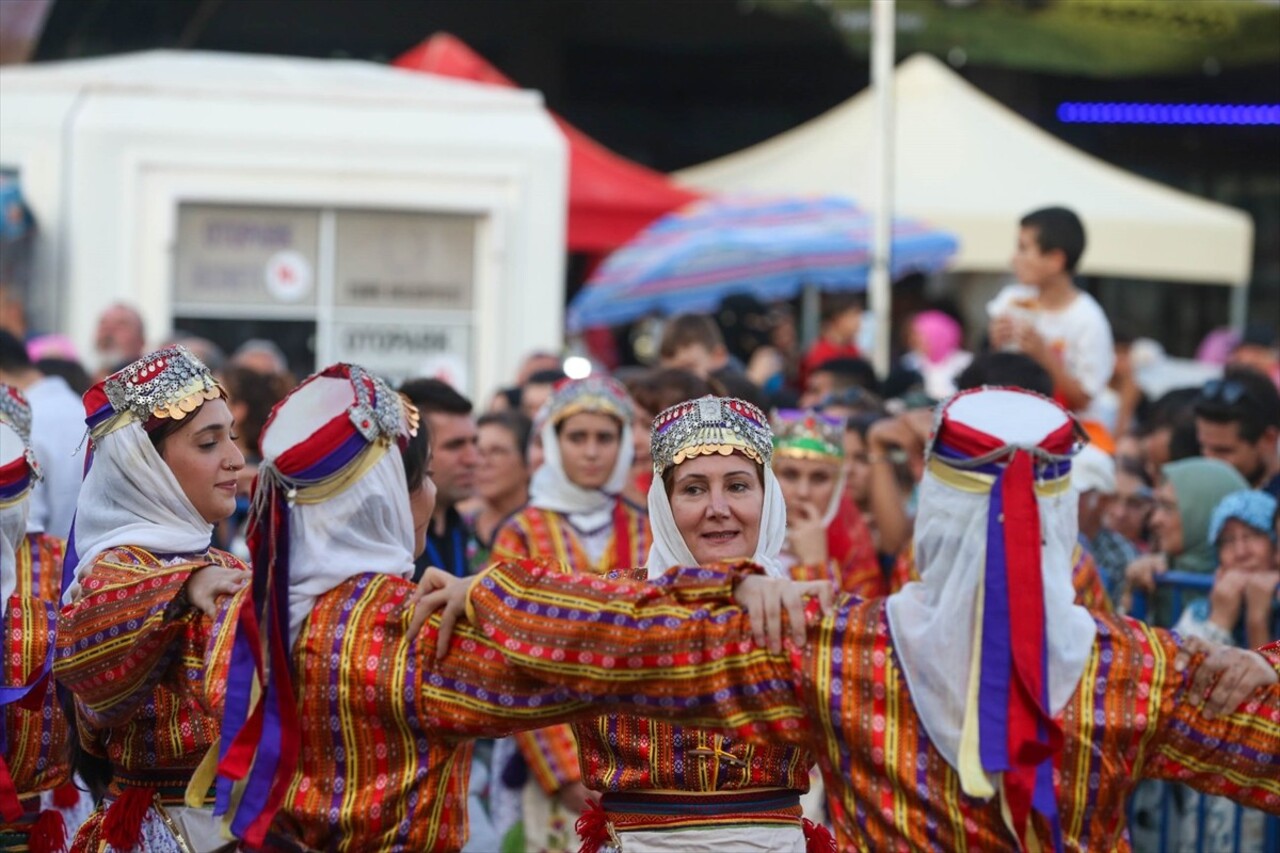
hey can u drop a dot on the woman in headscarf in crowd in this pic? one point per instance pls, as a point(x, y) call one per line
point(34, 756)
point(1242, 533)
point(714, 497)
point(578, 517)
point(935, 340)
point(821, 543)
point(1184, 504)
point(162, 472)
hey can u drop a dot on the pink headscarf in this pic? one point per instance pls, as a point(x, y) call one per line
point(938, 335)
point(1217, 346)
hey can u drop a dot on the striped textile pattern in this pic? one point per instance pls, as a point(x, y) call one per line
point(36, 748)
point(845, 697)
point(534, 533)
point(138, 677)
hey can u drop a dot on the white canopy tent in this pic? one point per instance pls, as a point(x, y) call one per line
point(966, 163)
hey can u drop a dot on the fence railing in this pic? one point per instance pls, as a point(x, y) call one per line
point(1172, 823)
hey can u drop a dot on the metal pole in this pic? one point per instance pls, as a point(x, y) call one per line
point(1239, 313)
point(881, 299)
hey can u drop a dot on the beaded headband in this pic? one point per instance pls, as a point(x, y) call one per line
point(599, 394)
point(167, 384)
point(15, 411)
point(710, 425)
point(801, 434)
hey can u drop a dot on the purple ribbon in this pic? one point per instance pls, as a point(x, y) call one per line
point(997, 655)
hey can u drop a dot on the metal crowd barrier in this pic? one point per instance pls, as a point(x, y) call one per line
point(1183, 587)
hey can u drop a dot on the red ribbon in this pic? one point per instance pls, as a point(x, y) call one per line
point(1033, 734)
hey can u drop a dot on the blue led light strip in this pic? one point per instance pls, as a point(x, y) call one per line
point(1094, 112)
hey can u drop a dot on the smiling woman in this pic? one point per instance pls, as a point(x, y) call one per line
point(162, 472)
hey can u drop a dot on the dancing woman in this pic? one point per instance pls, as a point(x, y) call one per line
point(34, 756)
point(138, 615)
point(577, 517)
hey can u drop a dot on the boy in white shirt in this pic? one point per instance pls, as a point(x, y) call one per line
point(1051, 320)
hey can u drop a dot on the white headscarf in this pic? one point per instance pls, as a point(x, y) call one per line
point(932, 620)
point(13, 530)
point(367, 527)
point(669, 548)
point(131, 497)
point(551, 488)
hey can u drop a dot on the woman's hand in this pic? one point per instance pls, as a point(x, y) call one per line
point(807, 535)
point(439, 590)
point(1141, 573)
point(1226, 599)
point(1225, 678)
point(208, 584)
point(766, 599)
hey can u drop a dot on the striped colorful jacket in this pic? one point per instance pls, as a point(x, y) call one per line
point(533, 533)
point(385, 754)
point(137, 670)
point(35, 730)
point(845, 697)
point(626, 753)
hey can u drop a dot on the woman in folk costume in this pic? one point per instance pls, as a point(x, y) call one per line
point(978, 708)
point(161, 473)
point(577, 517)
point(342, 729)
point(713, 497)
point(34, 756)
point(808, 460)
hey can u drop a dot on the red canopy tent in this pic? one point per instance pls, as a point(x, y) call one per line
point(610, 197)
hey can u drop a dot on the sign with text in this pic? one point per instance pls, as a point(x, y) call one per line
point(403, 350)
point(393, 259)
point(254, 255)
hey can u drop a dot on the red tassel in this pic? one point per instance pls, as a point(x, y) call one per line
point(122, 823)
point(593, 827)
point(817, 838)
point(66, 796)
point(48, 833)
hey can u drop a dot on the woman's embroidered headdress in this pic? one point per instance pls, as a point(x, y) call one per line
point(599, 394)
point(168, 383)
point(806, 434)
point(710, 425)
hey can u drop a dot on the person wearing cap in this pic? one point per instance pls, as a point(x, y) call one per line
point(578, 517)
point(1243, 536)
point(34, 756)
point(980, 707)
point(342, 727)
point(808, 460)
point(141, 589)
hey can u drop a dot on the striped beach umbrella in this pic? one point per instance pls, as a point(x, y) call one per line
point(768, 247)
